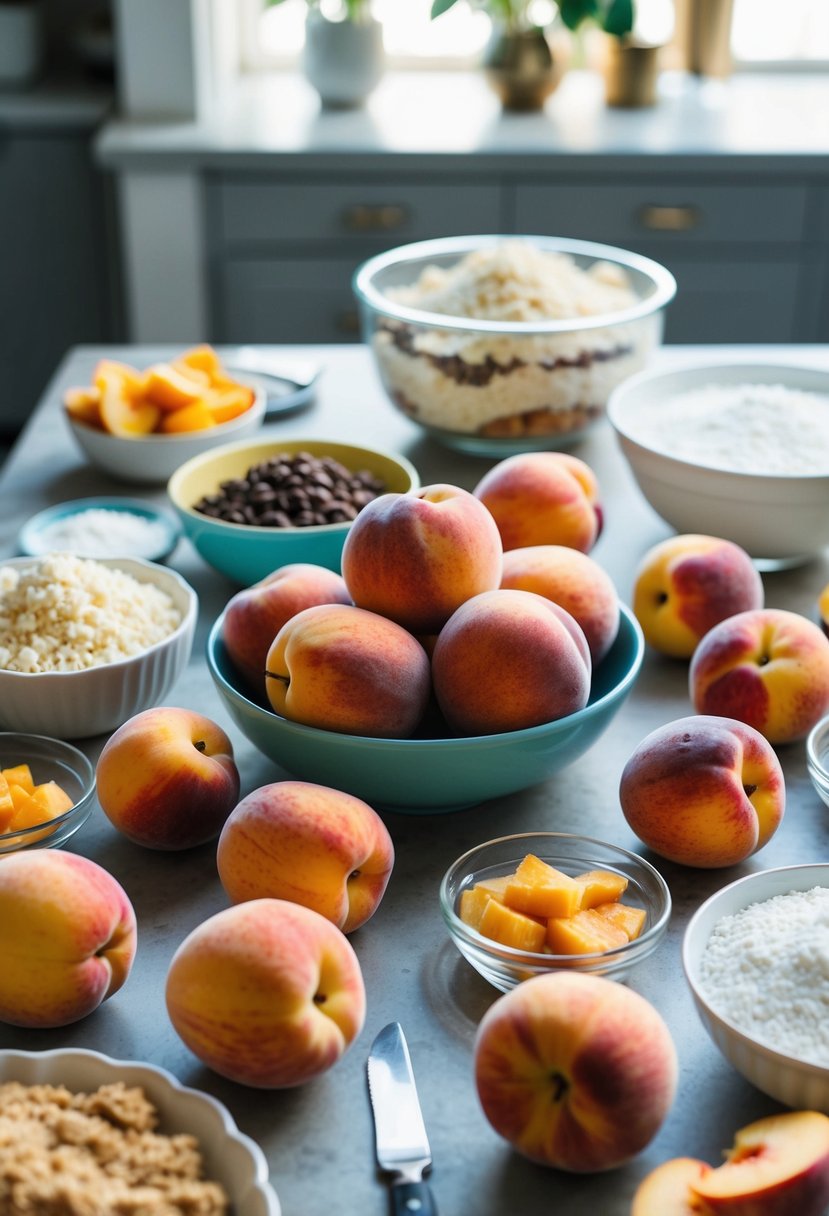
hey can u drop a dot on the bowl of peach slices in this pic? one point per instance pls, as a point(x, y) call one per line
point(538, 902)
point(139, 425)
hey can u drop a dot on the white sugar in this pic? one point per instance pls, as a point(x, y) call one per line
point(746, 428)
point(766, 969)
point(99, 532)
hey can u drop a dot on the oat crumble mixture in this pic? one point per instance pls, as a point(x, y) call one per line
point(97, 1154)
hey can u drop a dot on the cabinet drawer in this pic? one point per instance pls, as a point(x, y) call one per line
point(280, 300)
point(387, 212)
point(663, 212)
point(733, 302)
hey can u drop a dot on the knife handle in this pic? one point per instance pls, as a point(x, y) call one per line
point(412, 1199)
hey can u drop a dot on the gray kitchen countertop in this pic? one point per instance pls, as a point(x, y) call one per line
point(319, 1138)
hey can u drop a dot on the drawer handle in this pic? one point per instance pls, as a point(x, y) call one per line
point(669, 219)
point(385, 217)
point(348, 322)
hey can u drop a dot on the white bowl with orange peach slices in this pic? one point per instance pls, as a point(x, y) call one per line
point(140, 425)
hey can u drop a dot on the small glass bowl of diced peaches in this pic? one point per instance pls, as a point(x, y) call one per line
point(47, 790)
point(140, 425)
point(537, 902)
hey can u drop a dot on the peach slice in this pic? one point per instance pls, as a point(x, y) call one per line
point(197, 416)
point(84, 405)
point(228, 403)
point(202, 359)
point(171, 388)
point(510, 928)
point(6, 804)
point(666, 1191)
point(539, 889)
point(122, 414)
point(494, 887)
point(110, 371)
point(600, 887)
point(778, 1166)
point(471, 908)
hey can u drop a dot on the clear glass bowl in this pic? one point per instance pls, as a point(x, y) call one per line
point(817, 758)
point(495, 388)
point(506, 967)
point(49, 760)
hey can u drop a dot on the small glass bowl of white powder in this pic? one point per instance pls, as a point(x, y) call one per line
point(101, 527)
point(756, 958)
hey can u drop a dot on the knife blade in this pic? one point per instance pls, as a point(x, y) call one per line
point(402, 1144)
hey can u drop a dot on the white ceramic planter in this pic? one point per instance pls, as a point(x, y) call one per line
point(343, 60)
point(21, 43)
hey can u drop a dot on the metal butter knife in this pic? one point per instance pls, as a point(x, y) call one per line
point(402, 1145)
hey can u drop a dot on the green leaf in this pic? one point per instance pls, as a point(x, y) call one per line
point(618, 19)
point(574, 12)
point(441, 6)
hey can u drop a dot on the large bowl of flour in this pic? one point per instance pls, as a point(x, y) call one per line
point(738, 450)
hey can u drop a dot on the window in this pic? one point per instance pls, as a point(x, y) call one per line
point(760, 37)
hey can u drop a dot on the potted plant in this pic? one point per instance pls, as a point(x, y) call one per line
point(518, 61)
point(630, 65)
point(344, 56)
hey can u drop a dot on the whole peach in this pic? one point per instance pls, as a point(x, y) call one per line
point(68, 938)
point(254, 616)
point(507, 660)
point(266, 993)
point(572, 580)
point(167, 778)
point(310, 844)
point(686, 585)
point(342, 668)
point(543, 498)
point(703, 791)
point(575, 1071)
point(769, 668)
point(416, 557)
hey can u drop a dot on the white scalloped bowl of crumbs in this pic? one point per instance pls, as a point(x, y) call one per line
point(502, 344)
point(76, 704)
point(230, 1158)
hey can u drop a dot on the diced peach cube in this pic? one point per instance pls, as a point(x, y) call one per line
point(539, 889)
point(194, 417)
point(584, 933)
point(494, 887)
point(6, 804)
point(630, 920)
point(502, 924)
point(19, 774)
point(52, 799)
point(28, 812)
point(600, 887)
point(472, 904)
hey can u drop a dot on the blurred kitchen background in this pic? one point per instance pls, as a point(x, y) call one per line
point(214, 170)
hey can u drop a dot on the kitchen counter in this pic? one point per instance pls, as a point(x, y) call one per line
point(319, 1138)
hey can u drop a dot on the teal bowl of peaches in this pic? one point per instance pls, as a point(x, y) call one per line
point(432, 772)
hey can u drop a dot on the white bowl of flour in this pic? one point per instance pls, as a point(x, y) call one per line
point(737, 450)
point(756, 958)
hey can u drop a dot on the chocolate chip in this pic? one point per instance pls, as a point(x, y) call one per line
point(296, 491)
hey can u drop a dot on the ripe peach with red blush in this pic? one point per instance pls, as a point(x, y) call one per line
point(686, 585)
point(543, 498)
point(769, 668)
point(507, 660)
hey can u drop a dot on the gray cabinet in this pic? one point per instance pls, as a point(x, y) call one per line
point(282, 250)
point(55, 285)
point(750, 255)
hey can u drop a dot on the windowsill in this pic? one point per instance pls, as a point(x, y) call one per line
point(272, 115)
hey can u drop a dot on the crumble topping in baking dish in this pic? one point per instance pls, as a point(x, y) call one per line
point(97, 1154)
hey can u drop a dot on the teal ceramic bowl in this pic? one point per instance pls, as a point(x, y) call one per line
point(244, 553)
point(432, 775)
